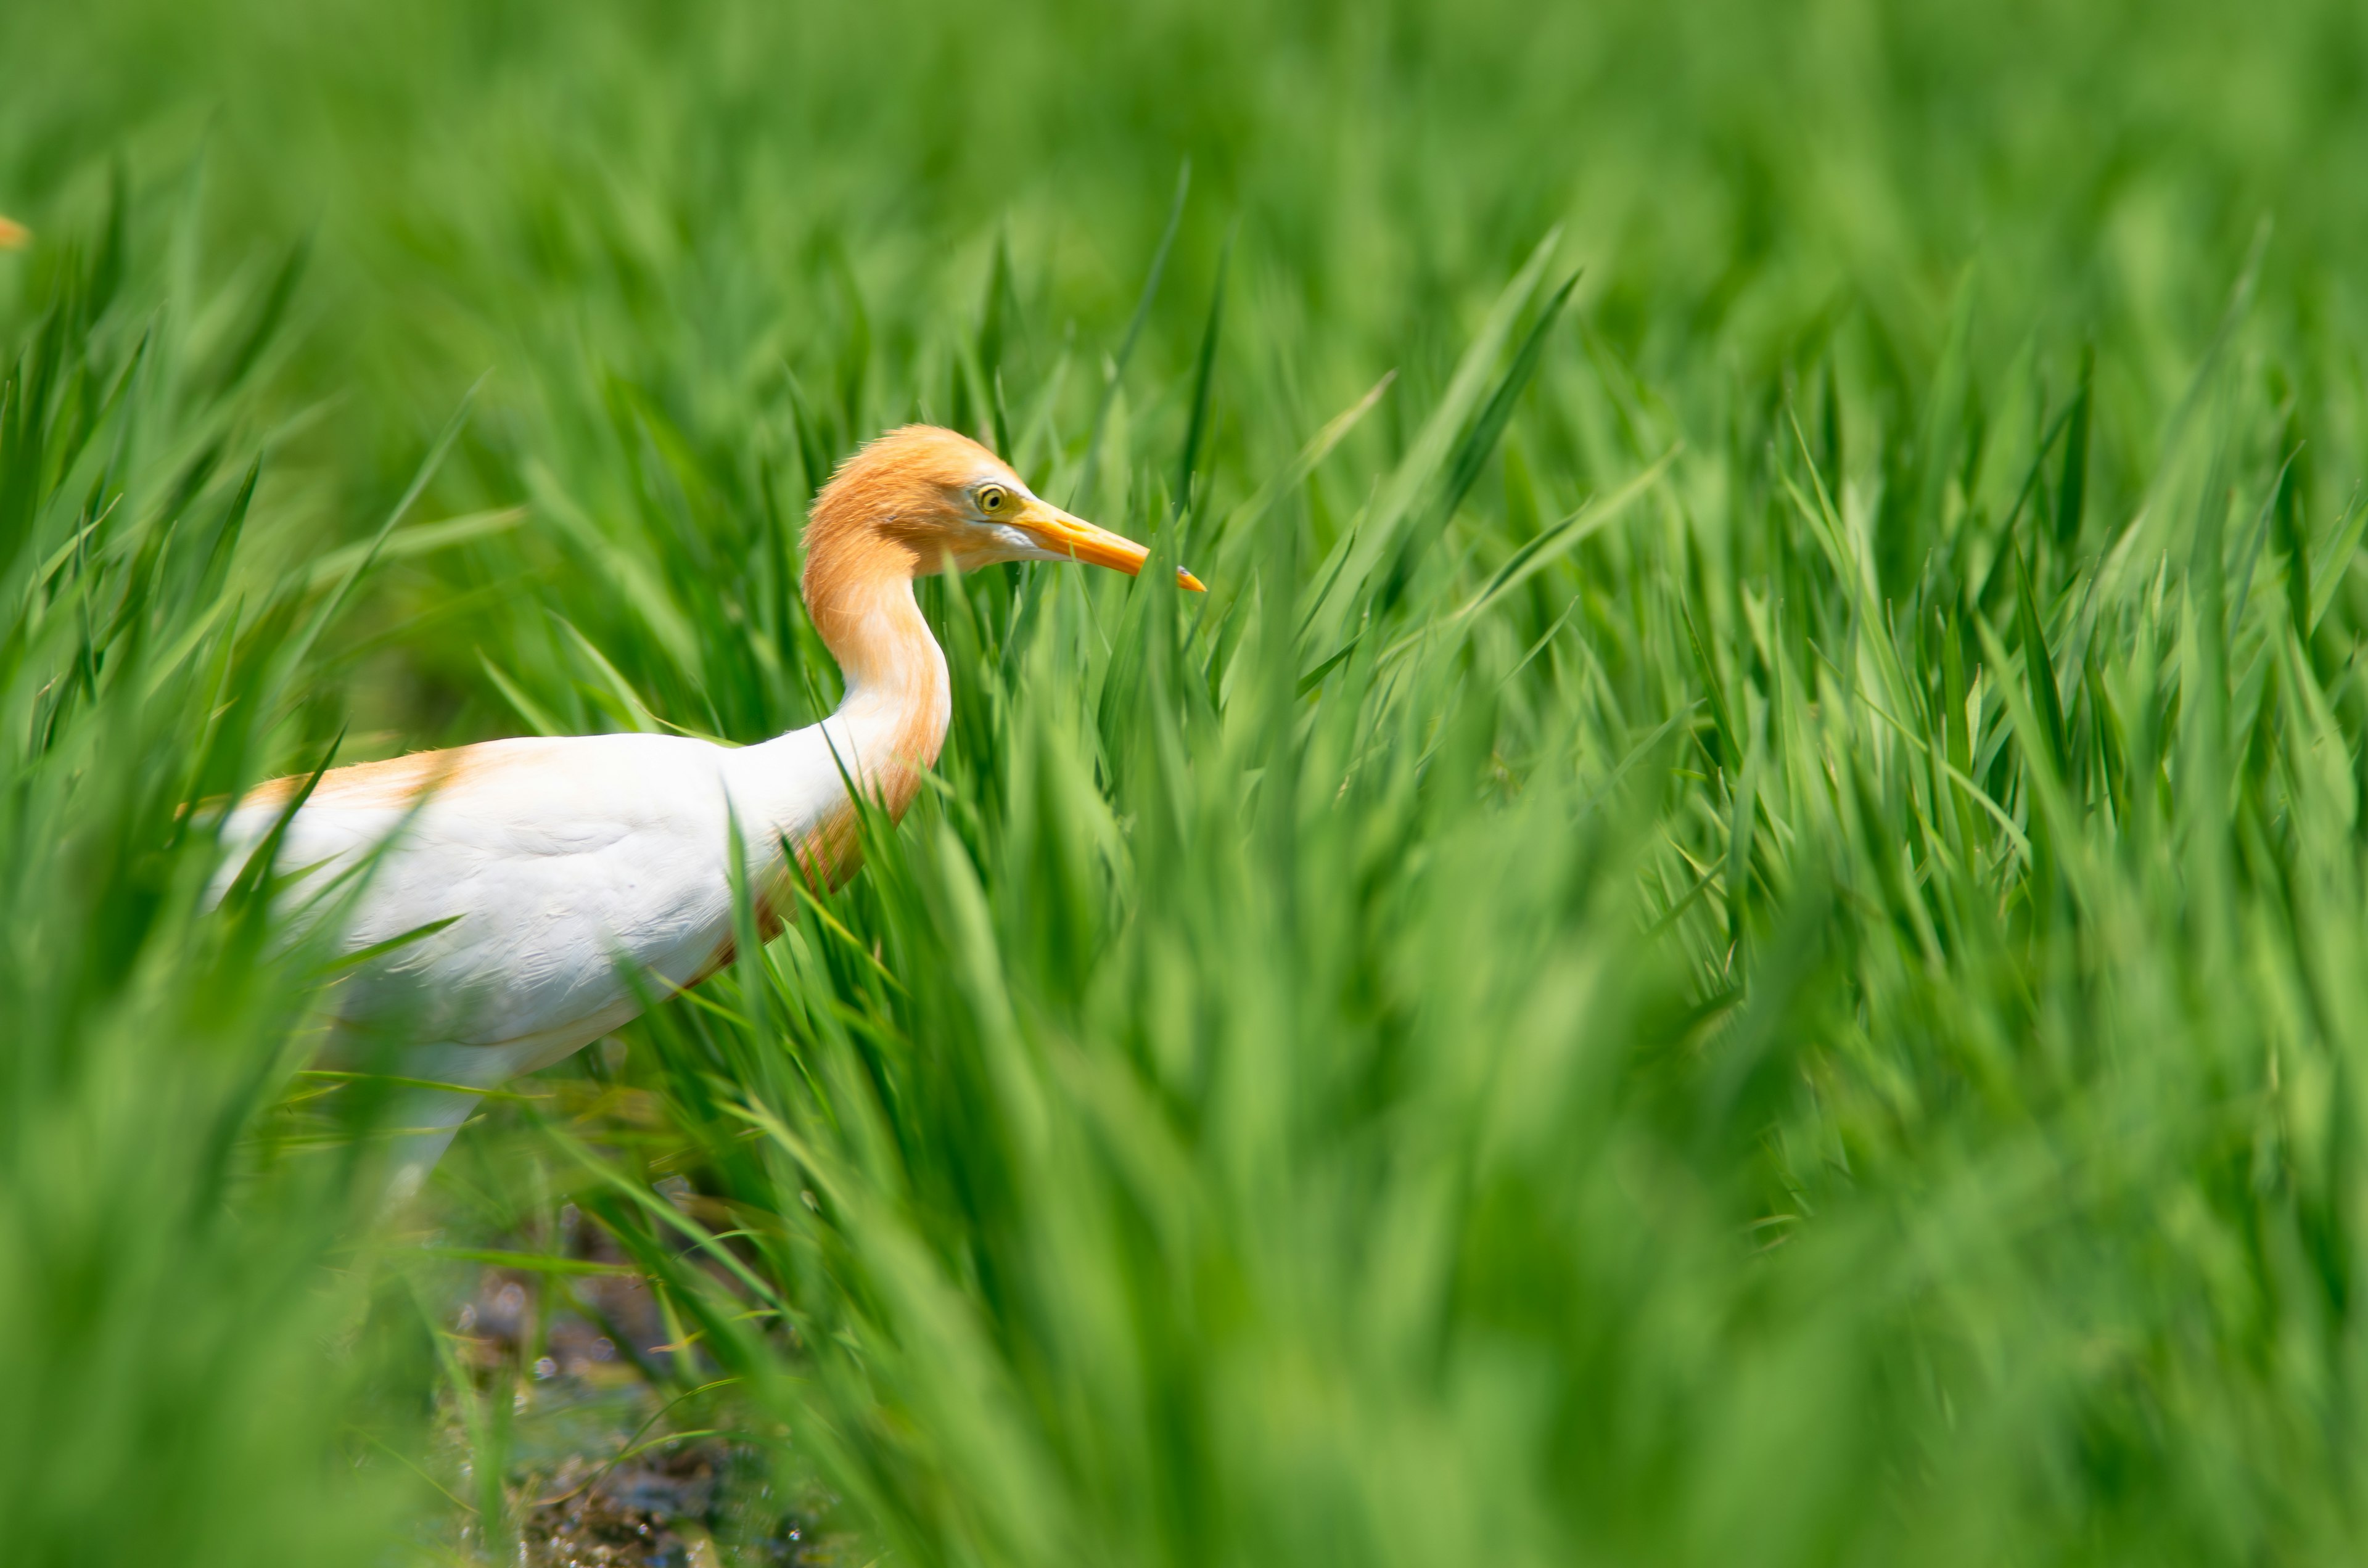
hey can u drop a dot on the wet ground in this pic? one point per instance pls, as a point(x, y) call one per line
point(606, 1457)
point(692, 1506)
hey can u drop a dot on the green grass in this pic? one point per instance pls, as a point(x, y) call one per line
point(1734, 935)
point(170, 1284)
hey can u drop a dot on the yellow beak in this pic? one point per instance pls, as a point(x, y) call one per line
point(14, 235)
point(1057, 531)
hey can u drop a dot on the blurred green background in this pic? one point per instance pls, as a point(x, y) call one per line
point(1734, 936)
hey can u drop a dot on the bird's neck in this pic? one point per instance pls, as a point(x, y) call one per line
point(898, 701)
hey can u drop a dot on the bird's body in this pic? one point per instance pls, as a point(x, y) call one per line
point(518, 897)
point(529, 876)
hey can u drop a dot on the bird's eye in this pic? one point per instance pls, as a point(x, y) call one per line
point(993, 498)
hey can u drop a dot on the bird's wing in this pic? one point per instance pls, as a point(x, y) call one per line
point(522, 871)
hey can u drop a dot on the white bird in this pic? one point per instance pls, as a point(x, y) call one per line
point(533, 875)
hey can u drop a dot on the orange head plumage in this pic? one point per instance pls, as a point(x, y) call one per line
point(919, 497)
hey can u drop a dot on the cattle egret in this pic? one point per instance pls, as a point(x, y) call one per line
point(512, 887)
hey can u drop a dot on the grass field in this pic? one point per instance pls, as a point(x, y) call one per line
point(1735, 933)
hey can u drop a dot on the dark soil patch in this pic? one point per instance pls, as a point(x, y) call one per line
point(701, 1503)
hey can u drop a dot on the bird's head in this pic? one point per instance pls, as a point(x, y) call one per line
point(919, 497)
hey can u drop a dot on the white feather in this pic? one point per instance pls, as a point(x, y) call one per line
point(550, 868)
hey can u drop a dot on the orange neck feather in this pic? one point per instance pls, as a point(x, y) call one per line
point(859, 590)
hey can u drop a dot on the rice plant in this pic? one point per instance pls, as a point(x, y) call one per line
point(174, 1286)
point(1729, 938)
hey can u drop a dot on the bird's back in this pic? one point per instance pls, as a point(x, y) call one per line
point(524, 872)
